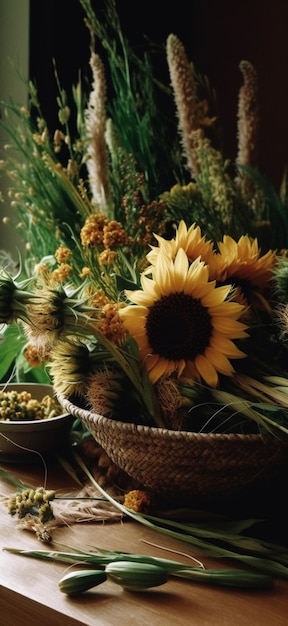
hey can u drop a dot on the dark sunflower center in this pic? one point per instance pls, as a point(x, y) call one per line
point(178, 327)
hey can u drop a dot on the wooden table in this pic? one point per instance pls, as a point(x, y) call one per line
point(29, 593)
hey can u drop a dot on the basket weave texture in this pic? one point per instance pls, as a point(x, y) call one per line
point(185, 464)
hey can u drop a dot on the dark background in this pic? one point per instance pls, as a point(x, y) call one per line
point(216, 35)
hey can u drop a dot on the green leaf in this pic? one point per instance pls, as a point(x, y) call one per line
point(12, 342)
point(12, 479)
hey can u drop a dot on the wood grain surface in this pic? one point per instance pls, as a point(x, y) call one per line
point(29, 593)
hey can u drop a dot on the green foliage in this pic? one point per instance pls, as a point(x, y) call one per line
point(137, 99)
point(13, 365)
point(11, 344)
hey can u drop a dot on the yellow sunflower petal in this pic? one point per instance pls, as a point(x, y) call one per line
point(220, 361)
point(206, 370)
point(217, 296)
point(130, 313)
point(229, 327)
point(230, 309)
point(163, 273)
point(225, 345)
point(150, 288)
point(181, 266)
point(158, 367)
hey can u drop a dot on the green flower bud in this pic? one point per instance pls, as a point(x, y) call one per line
point(74, 583)
point(136, 576)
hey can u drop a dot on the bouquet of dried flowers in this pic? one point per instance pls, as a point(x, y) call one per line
point(153, 287)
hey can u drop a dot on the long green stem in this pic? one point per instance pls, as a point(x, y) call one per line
point(213, 544)
point(220, 577)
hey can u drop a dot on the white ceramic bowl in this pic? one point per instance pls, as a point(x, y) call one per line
point(29, 440)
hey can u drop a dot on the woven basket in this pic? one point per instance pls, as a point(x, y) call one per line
point(182, 464)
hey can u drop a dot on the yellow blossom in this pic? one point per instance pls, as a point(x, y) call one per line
point(62, 254)
point(183, 323)
point(107, 257)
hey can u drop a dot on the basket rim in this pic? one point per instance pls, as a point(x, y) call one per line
point(101, 420)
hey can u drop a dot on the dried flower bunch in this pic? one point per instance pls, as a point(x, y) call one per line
point(154, 285)
point(21, 406)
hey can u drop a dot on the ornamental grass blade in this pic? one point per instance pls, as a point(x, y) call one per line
point(223, 577)
point(227, 578)
point(212, 543)
point(54, 555)
point(219, 532)
point(13, 479)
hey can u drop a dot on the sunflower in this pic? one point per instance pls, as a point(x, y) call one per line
point(240, 263)
point(183, 322)
point(72, 362)
point(191, 240)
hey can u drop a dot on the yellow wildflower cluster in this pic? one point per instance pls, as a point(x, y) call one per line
point(35, 502)
point(138, 500)
point(111, 324)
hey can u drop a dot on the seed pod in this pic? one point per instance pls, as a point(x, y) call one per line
point(77, 582)
point(136, 576)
